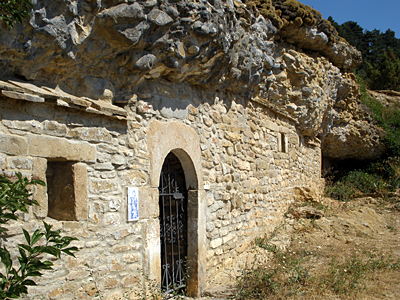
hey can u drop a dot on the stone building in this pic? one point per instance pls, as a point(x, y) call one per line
point(212, 116)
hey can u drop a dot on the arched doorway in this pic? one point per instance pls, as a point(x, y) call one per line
point(173, 204)
point(183, 142)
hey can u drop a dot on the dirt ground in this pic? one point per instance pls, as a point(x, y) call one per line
point(353, 231)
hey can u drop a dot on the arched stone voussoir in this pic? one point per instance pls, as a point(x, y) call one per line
point(184, 142)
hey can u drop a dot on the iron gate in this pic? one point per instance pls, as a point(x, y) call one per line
point(173, 225)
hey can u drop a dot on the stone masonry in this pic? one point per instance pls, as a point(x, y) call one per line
point(252, 159)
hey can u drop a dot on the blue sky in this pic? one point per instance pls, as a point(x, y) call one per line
point(369, 14)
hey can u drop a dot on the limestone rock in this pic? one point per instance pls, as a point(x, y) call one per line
point(159, 17)
point(146, 62)
point(111, 51)
point(351, 133)
point(308, 212)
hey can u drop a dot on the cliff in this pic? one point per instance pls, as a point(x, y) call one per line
point(279, 53)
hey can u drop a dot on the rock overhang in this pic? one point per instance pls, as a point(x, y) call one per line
point(258, 51)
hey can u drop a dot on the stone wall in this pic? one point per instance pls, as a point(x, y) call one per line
point(32, 137)
point(250, 159)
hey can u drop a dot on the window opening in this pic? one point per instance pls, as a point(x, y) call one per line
point(61, 190)
point(282, 142)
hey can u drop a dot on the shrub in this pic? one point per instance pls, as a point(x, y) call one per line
point(382, 177)
point(14, 11)
point(387, 118)
point(14, 198)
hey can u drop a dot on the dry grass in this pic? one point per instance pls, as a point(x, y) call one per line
point(351, 253)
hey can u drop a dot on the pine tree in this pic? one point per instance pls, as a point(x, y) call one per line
point(380, 51)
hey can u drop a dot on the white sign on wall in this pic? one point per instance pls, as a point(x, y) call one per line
point(133, 204)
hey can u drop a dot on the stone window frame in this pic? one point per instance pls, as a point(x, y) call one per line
point(79, 209)
point(74, 206)
point(282, 142)
point(76, 153)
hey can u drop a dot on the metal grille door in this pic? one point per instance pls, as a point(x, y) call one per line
point(173, 225)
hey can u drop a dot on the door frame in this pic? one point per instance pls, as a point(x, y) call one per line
point(184, 143)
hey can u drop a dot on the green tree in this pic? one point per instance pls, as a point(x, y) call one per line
point(14, 11)
point(385, 73)
point(17, 273)
point(380, 51)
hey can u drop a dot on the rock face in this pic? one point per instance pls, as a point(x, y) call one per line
point(110, 50)
point(351, 133)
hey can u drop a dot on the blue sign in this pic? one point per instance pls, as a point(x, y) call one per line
point(133, 204)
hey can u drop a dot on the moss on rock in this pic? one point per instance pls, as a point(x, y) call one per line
point(285, 13)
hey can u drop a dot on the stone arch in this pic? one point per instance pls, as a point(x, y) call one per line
point(184, 143)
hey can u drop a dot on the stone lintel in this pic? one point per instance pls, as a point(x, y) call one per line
point(271, 125)
point(283, 129)
point(59, 148)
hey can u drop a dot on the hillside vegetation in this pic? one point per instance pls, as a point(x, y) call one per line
point(380, 68)
point(327, 250)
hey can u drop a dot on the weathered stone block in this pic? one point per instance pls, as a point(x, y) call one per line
point(112, 219)
point(109, 282)
point(80, 191)
point(54, 128)
point(2, 161)
point(133, 178)
point(118, 160)
point(97, 134)
point(270, 125)
point(103, 185)
point(22, 163)
point(22, 96)
point(130, 281)
point(152, 249)
point(216, 243)
point(31, 125)
point(58, 148)
point(39, 171)
point(148, 203)
point(14, 145)
point(131, 257)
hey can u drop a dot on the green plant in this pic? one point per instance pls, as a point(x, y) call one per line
point(95, 289)
point(340, 191)
point(14, 197)
point(14, 11)
point(387, 117)
point(381, 177)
